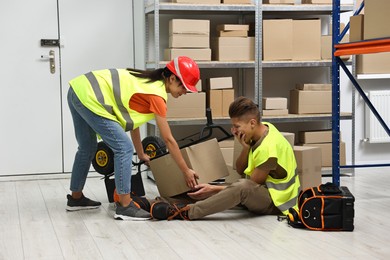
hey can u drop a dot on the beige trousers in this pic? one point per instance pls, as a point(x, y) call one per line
point(245, 192)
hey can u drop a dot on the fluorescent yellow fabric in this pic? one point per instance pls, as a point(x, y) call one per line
point(284, 192)
point(114, 103)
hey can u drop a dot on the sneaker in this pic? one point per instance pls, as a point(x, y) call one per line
point(142, 202)
point(131, 212)
point(163, 210)
point(81, 203)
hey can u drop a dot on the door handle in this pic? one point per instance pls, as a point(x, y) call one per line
point(51, 58)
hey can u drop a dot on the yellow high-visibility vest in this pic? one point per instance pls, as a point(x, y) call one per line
point(284, 192)
point(107, 93)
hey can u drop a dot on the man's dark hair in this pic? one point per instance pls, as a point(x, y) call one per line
point(243, 107)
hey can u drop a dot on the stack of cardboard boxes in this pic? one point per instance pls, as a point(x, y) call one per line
point(287, 39)
point(233, 43)
point(311, 99)
point(323, 140)
point(275, 106)
point(190, 38)
point(374, 23)
point(220, 94)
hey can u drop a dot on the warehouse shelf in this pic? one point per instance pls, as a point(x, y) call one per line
point(304, 9)
point(373, 76)
point(354, 48)
point(298, 64)
point(271, 119)
point(211, 64)
point(169, 7)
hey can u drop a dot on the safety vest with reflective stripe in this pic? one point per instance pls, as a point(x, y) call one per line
point(107, 93)
point(284, 192)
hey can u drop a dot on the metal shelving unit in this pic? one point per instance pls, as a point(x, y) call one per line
point(362, 47)
point(155, 8)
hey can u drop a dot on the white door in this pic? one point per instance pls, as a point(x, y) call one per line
point(30, 107)
point(95, 34)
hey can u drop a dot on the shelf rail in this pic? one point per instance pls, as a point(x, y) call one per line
point(340, 49)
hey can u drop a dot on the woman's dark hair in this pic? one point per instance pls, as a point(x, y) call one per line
point(151, 75)
point(242, 107)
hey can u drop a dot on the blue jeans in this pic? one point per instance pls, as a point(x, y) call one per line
point(86, 125)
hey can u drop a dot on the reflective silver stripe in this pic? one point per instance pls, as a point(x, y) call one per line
point(281, 186)
point(98, 92)
point(288, 204)
point(176, 63)
point(117, 94)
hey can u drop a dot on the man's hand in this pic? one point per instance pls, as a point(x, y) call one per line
point(204, 191)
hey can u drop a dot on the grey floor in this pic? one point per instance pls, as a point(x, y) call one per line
point(35, 225)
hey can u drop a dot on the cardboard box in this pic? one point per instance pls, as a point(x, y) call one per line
point(274, 103)
point(307, 39)
point(233, 33)
point(275, 112)
point(290, 2)
point(326, 47)
point(189, 41)
point(220, 83)
point(326, 153)
point(375, 63)
point(189, 105)
point(376, 19)
point(356, 29)
point(195, 54)
point(320, 136)
point(199, 85)
point(308, 165)
point(214, 101)
point(227, 99)
point(277, 39)
point(227, 147)
point(189, 26)
point(318, 2)
point(197, 1)
point(290, 137)
point(204, 158)
point(237, 1)
point(233, 48)
point(233, 175)
point(233, 27)
point(313, 86)
point(310, 102)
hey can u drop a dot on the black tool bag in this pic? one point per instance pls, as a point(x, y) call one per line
point(326, 207)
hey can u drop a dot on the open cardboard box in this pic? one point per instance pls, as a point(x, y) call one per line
point(204, 158)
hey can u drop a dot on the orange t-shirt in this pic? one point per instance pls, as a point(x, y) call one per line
point(148, 103)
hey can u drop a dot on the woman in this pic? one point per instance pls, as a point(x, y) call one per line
point(109, 103)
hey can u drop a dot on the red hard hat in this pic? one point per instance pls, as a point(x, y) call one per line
point(186, 70)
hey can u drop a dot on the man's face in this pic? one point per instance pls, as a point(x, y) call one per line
point(241, 128)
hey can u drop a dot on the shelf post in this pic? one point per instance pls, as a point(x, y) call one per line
point(335, 95)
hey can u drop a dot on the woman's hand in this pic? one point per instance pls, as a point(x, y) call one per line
point(204, 191)
point(191, 178)
point(144, 157)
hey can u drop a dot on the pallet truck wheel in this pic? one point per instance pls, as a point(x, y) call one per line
point(103, 162)
point(153, 146)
